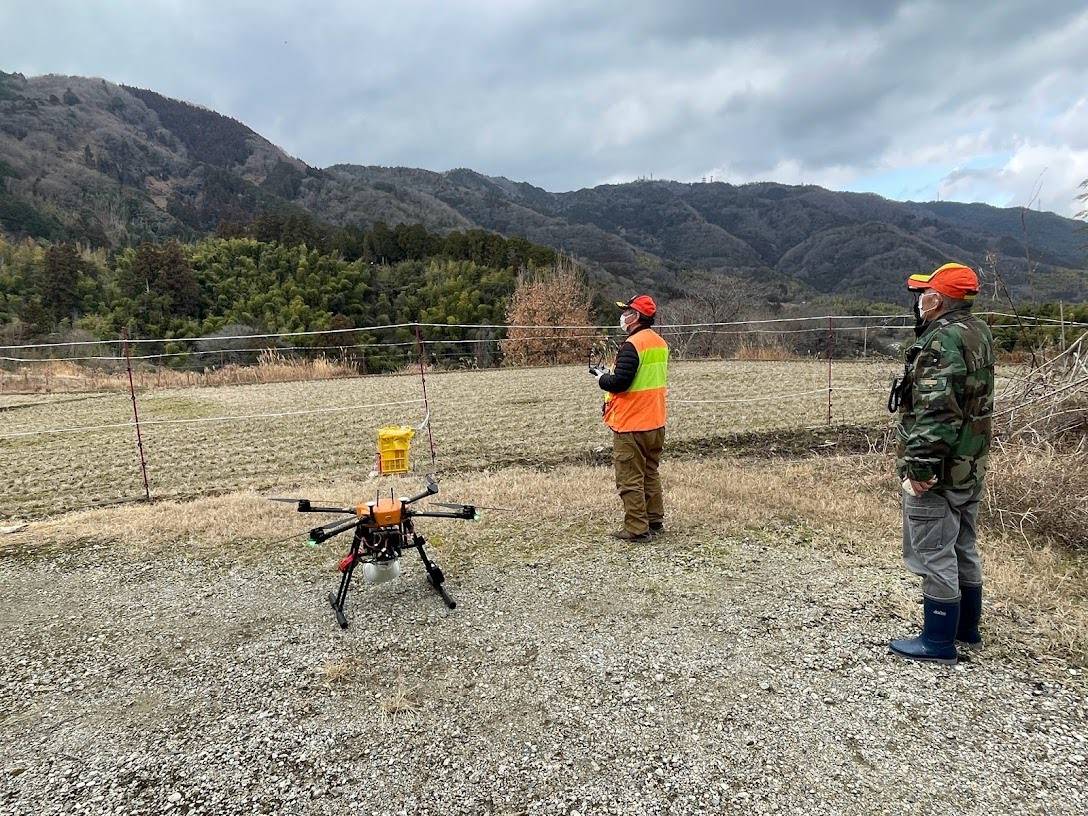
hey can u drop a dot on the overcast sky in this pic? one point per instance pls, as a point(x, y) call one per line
point(972, 101)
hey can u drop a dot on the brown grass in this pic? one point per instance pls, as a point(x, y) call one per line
point(479, 419)
point(60, 376)
point(402, 700)
point(338, 671)
point(1040, 492)
point(765, 350)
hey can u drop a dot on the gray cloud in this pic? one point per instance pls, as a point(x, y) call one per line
point(569, 95)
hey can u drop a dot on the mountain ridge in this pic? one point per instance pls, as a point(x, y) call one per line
point(109, 164)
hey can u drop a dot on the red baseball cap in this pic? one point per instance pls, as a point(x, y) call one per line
point(643, 304)
point(957, 281)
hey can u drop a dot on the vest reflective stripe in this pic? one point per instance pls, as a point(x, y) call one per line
point(642, 406)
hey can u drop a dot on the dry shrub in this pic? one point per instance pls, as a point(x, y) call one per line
point(544, 299)
point(337, 671)
point(1040, 490)
point(1038, 479)
point(1048, 404)
point(272, 367)
point(764, 350)
point(402, 701)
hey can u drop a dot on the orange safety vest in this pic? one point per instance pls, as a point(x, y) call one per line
point(642, 406)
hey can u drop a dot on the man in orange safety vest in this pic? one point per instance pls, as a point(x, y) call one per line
point(635, 411)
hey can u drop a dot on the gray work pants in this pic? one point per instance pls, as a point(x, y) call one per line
point(939, 541)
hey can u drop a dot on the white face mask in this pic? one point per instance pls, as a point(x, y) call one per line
point(623, 324)
point(929, 303)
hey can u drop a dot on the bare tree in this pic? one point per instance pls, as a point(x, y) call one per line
point(992, 259)
point(709, 302)
point(548, 315)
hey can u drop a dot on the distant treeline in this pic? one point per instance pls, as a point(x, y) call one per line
point(389, 245)
point(282, 273)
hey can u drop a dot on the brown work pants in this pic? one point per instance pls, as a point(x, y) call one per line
point(637, 455)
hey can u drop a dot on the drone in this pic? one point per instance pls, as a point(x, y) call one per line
point(384, 529)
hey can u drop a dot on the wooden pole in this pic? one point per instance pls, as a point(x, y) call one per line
point(136, 416)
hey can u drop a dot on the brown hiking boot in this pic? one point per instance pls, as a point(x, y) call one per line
point(657, 528)
point(623, 535)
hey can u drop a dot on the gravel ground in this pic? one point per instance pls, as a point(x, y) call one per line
point(722, 675)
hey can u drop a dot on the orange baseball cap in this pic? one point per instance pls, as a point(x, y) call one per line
point(953, 279)
point(643, 304)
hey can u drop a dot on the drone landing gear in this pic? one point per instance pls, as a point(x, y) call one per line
point(435, 578)
point(337, 599)
point(434, 573)
point(338, 609)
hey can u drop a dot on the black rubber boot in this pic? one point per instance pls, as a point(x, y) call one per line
point(937, 643)
point(970, 613)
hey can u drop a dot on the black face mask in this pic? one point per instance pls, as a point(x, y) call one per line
point(919, 323)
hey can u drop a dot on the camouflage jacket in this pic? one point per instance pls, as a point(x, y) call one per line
point(946, 412)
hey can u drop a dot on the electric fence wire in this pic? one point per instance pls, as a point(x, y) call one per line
point(225, 418)
point(520, 326)
point(771, 397)
point(667, 330)
point(504, 326)
point(428, 347)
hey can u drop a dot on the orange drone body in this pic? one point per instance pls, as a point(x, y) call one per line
point(386, 513)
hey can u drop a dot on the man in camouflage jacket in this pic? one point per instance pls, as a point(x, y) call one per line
point(945, 404)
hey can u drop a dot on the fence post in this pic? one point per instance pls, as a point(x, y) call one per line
point(136, 416)
point(830, 342)
point(426, 403)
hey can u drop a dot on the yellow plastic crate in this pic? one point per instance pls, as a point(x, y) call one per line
point(394, 442)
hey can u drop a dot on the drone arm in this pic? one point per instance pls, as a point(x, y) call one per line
point(467, 512)
point(304, 506)
point(319, 534)
point(430, 490)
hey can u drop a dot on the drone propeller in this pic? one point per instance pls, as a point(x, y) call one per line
point(477, 506)
point(288, 538)
point(307, 506)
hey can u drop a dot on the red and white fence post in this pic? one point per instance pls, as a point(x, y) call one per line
point(136, 416)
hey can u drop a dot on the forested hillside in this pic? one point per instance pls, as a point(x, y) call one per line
point(271, 280)
point(112, 166)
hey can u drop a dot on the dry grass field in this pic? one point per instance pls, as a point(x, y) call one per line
point(179, 656)
point(479, 419)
